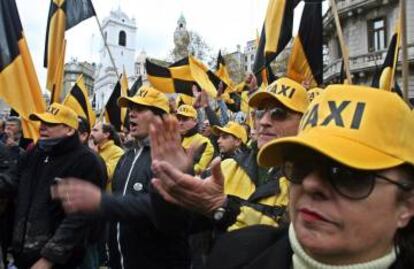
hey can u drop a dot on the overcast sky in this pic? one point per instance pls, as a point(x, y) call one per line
point(222, 23)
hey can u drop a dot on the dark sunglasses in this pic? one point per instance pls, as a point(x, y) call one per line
point(351, 183)
point(276, 113)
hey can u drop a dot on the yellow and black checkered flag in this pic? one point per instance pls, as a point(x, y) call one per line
point(78, 100)
point(63, 15)
point(306, 60)
point(276, 32)
point(181, 76)
point(384, 79)
point(19, 84)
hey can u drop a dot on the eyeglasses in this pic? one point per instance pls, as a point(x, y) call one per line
point(276, 113)
point(351, 183)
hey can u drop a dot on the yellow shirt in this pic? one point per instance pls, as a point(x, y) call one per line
point(207, 154)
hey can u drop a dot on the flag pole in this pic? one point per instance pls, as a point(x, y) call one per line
point(341, 41)
point(110, 57)
point(106, 45)
point(404, 48)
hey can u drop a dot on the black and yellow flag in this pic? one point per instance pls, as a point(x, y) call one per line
point(78, 100)
point(58, 78)
point(181, 76)
point(176, 78)
point(384, 79)
point(266, 75)
point(276, 32)
point(114, 114)
point(63, 15)
point(135, 87)
point(223, 73)
point(19, 84)
point(306, 60)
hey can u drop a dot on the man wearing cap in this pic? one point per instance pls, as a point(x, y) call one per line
point(240, 193)
point(105, 141)
point(188, 127)
point(232, 139)
point(137, 237)
point(351, 169)
point(43, 236)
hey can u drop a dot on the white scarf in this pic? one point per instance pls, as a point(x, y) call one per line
point(301, 260)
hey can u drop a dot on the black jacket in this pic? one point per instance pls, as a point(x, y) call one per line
point(256, 247)
point(142, 232)
point(41, 228)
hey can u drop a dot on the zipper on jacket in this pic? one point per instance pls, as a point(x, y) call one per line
point(118, 224)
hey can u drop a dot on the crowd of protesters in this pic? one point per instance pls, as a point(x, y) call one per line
point(275, 177)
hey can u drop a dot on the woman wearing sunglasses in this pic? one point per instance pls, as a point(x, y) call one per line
point(351, 189)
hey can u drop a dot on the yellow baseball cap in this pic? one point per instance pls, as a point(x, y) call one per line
point(360, 127)
point(147, 96)
point(232, 128)
point(288, 92)
point(187, 111)
point(314, 92)
point(59, 114)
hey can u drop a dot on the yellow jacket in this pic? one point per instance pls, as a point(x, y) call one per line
point(273, 194)
point(204, 157)
point(111, 154)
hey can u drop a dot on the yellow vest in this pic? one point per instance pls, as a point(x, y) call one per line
point(206, 155)
point(238, 183)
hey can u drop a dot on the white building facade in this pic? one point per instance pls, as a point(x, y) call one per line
point(120, 35)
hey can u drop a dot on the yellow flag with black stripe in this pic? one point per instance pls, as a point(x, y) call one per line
point(384, 79)
point(207, 80)
point(223, 73)
point(63, 15)
point(306, 60)
point(181, 76)
point(114, 114)
point(78, 100)
point(276, 32)
point(58, 78)
point(19, 84)
point(135, 87)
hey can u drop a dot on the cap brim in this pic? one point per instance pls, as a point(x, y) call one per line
point(185, 115)
point(217, 130)
point(343, 150)
point(126, 101)
point(45, 117)
point(257, 99)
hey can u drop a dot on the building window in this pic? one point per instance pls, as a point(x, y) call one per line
point(122, 39)
point(377, 38)
point(252, 57)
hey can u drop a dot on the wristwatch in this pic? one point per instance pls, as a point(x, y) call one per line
point(219, 213)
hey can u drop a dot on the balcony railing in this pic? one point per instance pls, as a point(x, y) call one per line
point(357, 63)
point(364, 62)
